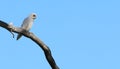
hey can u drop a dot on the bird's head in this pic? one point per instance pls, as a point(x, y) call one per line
point(33, 16)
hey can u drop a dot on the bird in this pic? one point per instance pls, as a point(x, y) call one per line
point(27, 23)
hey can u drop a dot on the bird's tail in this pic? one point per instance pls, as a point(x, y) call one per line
point(19, 35)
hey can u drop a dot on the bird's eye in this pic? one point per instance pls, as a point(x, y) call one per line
point(34, 15)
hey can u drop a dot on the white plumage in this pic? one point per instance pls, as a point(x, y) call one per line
point(27, 23)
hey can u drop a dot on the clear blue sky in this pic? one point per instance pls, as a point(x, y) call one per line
point(82, 34)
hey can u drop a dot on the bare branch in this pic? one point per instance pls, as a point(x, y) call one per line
point(30, 35)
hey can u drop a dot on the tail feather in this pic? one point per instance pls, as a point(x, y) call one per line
point(19, 35)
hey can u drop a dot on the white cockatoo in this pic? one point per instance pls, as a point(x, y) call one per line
point(27, 23)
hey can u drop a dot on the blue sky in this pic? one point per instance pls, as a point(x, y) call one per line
point(81, 34)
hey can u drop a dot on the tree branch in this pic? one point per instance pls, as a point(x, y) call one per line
point(30, 35)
